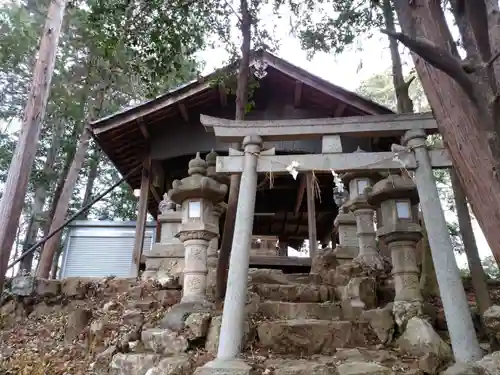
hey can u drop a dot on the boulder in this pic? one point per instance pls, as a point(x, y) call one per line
point(381, 322)
point(78, 320)
point(197, 325)
point(301, 367)
point(489, 364)
point(305, 336)
point(266, 276)
point(420, 339)
point(164, 341)
point(133, 364)
point(133, 317)
point(212, 342)
point(294, 292)
point(292, 310)
point(363, 368)
point(345, 272)
point(491, 318)
point(178, 365)
point(47, 288)
point(174, 318)
point(74, 287)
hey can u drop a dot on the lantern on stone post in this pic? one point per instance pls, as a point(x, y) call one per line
point(348, 247)
point(220, 207)
point(364, 213)
point(396, 197)
point(197, 195)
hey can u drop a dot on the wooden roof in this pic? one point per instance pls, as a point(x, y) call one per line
point(124, 136)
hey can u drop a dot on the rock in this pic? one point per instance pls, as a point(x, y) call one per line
point(266, 276)
point(167, 298)
point(165, 280)
point(74, 287)
point(98, 330)
point(291, 310)
point(133, 364)
point(345, 272)
point(47, 288)
point(164, 341)
point(294, 292)
point(324, 262)
point(197, 325)
point(178, 365)
point(363, 289)
point(78, 319)
point(252, 303)
point(301, 367)
point(490, 364)
point(212, 342)
point(23, 286)
point(174, 318)
point(420, 339)
point(491, 318)
point(429, 363)
point(103, 359)
point(108, 306)
point(363, 368)
point(461, 369)
point(403, 311)
point(133, 317)
point(304, 336)
point(381, 322)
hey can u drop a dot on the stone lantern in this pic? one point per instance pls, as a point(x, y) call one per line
point(397, 197)
point(364, 213)
point(348, 247)
point(197, 194)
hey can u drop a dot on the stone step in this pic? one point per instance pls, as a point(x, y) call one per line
point(294, 292)
point(305, 310)
point(303, 278)
point(325, 366)
point(309, 336)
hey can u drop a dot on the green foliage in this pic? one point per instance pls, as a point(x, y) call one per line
point(490, 267)
point(332, 25)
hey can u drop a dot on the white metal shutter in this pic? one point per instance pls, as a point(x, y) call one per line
point(101, 251)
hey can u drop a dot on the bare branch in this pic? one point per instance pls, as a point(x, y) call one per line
point(493, 59)
point(234, 11)
point(439, 58)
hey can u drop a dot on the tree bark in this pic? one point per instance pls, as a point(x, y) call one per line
point(234, 189)
point(16, 185)
point(92, 175)
point(476, 269)
point(467, 128)
point(51, 246)
point(39, 200)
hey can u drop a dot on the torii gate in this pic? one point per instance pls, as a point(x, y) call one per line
point(415, 156)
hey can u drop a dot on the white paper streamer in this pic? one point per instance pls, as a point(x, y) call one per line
point(292, 169)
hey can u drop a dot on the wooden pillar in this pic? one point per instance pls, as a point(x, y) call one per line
point(142, 214)
point(311, 215)
point(283, 248)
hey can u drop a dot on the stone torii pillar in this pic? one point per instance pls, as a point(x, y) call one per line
point(456, 307)
point(197, 194)
point(231, 333)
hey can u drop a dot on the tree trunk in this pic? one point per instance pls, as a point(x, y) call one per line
point(467, 128)
point(92, 175)
point(51, 246)
point(36, 219)
point(428, 280)
point(476, 269)
point(234, 189)
point(16, 185)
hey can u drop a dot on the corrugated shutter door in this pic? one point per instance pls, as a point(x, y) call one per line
point(100, 255)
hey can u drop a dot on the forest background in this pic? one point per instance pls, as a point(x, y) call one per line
point(98, 72)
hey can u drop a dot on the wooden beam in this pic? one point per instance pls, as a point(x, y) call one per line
point(155, 193)
point(323, 163)
point(339, 111)
point(311, 215)
point(297, 94)
point(115, 120)
point(184, 112)
point(300, 194)
point(223, 94)
point(142, 214)
point(143, 128)
point(279, 130)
